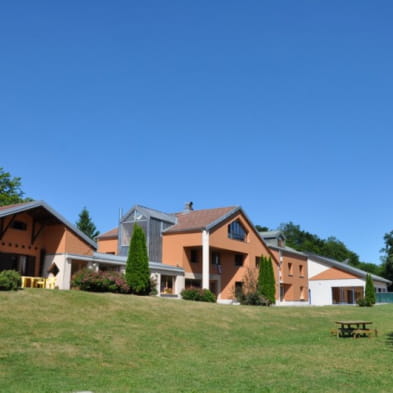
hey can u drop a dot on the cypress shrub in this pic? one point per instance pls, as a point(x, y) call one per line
point(370, 290)
point(266, 282)
point(137, 268)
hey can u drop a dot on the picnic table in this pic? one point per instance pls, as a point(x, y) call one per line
point(354, 329)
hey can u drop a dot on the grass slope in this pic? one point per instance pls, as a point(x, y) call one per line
point(65, 341)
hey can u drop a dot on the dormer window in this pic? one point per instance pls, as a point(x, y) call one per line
point(236, 231)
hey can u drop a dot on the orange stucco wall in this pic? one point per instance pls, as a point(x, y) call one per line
point(333, 274)
point(18, 242)
point(107, 245)
point(52, 239)
point(177, 248)
point(294, 273)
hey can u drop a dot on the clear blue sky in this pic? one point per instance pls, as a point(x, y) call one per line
point(282, 107)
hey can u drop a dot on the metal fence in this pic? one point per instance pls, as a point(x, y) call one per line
point(384, 297)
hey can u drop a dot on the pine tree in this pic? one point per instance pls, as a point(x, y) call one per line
point(86, 225)
point(266, 281)
point(370, 291)
point(137, 268)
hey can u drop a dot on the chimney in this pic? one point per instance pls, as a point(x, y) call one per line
point(188, 207)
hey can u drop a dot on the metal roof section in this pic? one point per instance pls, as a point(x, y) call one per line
point(272, 234)
point(99, 257)
point(165, 268)
point(149, 212)
point(288, 249)
point(23, 207)
point(345, 267)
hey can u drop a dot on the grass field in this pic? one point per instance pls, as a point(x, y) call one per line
point(67, 341)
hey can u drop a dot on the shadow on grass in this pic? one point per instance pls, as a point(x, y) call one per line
point(389, 339)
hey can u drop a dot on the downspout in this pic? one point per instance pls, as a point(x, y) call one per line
point(205, 259)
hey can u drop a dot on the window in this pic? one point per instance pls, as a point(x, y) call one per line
point(257, 261)
point(238, 288)
point(301, 271)
point(290, 269)
point(216, 258)
point(20, 225)
point(194, 256)
point(236, 231)
point(239, 258)
point(192, 283)
point(302, 293)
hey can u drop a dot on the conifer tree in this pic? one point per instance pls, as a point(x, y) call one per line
point(266, 281)
point(137, 268)
point(86, 225)
point(370, 291)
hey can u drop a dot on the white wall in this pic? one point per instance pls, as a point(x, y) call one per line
point(321, 290)
point(63, 278)
point(315, 268)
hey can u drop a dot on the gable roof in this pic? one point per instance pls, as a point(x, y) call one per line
point(151, 213)
point(197, 220)
point(109, 234)
point(41, 210)
point(344, 267)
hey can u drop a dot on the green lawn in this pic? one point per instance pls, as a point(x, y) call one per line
point(65, 341)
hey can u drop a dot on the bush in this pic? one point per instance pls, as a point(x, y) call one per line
point(9, 280)
point(89, 280)
point(199, 295)
point(363, 302)
point(253, 299)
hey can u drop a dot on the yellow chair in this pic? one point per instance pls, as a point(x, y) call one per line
point(39, 282)
point(50, 283)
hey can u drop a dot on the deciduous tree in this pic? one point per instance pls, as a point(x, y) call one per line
point(11, 189)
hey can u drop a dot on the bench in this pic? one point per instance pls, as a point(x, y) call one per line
point(364, 332)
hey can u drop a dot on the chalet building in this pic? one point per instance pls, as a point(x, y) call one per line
point(38, 242)
point(215, 248)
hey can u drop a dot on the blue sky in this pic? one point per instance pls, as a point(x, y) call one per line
point(283, 107)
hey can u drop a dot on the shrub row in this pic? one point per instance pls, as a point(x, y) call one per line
point(89, 280)
point(252, 299)
point(199, 295)
point(9, 280)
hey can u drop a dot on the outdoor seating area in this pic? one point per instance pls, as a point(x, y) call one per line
point(354, 329)
point(38, 282)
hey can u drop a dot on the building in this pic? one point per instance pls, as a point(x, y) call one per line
point(215, 248)
point(293, 278)
point(333, 282)
point(315, 279)
point(37, 242)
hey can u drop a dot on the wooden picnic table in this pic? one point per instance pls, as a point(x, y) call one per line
point(354, 328)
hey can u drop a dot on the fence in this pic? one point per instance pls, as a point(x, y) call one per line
point(384, 297)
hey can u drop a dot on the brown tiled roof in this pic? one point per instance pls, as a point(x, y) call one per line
point(110, 234)
point(199, 219)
